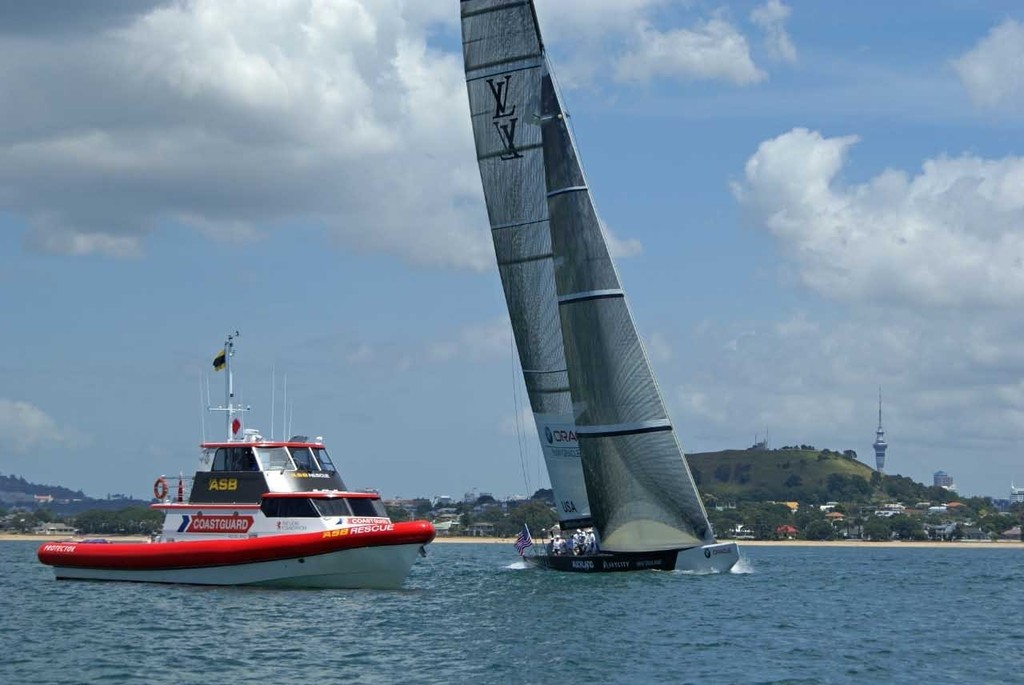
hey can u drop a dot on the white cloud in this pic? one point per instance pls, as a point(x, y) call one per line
point(521, 425)
point(658, 347)
point(593, 18)
point(993, 71)
point(948, 237)
point(232, 117)
point(475, 342)
point(620, 248)
point(712, 50)
point(51, 236)
point(25, 426)
point(485, 340)
point(952, 390)
point(771, 19)
point(361, 354)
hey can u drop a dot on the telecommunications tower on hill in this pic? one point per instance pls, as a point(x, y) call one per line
point(880, 445)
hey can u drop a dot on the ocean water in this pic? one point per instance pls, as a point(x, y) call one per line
point(471, 614)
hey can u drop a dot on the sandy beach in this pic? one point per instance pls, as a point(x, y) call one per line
point(454, 539)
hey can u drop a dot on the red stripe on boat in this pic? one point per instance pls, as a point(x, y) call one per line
point(149, 556)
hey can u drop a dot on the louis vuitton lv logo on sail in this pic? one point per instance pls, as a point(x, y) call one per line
point(504, 117)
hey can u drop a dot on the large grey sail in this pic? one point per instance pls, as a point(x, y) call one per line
point(642, 494)
point(504, 65)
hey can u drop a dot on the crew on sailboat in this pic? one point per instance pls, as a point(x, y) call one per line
point(557, 544)
point(590, 541)
point(583, 543)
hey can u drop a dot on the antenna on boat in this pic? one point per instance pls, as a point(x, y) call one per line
point(202, 414)
point(284, 410)
point(273, 400)
point(222, 362)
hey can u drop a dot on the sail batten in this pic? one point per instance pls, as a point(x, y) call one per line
point(492, 71)
point(570, 189)
point(624, 428)
point(570, 298)
point(493, 7)
point(518, 148)
point(524, 260)
point(516, 224)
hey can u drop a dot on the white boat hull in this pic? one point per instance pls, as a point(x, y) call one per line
point(716, 558)
point(384, 567)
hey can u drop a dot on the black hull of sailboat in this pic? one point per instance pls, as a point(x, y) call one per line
point(718, 557)
point(606, 562)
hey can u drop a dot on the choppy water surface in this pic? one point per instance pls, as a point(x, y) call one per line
point(469, 613)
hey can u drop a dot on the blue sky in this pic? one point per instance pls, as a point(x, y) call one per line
point(807, 200)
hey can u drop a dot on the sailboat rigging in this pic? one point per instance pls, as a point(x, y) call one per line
point(613, 457)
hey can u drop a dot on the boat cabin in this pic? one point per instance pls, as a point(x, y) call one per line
point(241, 471)
point(268, 456)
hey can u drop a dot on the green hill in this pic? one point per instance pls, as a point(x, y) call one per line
point(14, 489)
point(806, 475)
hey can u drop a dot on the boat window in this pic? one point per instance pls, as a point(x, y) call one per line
point(241, 459)
point(274, 459)
point(220, 460)
point(294, 507)
point(364, 506)
point(332, 507)
point(325, 461)
point(234, 459)
point(303, 458)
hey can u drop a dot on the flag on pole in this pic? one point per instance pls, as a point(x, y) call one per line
point(220, 361)
point(523, 540)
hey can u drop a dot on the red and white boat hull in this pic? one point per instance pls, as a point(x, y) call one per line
point(328, 559)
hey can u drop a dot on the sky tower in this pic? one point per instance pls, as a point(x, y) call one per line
point(880, 445)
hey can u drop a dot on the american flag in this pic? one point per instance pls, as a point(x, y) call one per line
point(523, 540)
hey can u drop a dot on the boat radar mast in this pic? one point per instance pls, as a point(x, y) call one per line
point(222, 362)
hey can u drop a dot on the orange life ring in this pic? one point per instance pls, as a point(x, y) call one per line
point(160, 488)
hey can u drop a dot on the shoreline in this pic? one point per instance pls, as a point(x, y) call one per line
point(461, 540)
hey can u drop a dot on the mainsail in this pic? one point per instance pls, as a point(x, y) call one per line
point(505, 66)
point(583, 360)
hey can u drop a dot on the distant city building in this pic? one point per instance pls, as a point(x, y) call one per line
point(942, 479)
point(880, 445)
point(1016, 495)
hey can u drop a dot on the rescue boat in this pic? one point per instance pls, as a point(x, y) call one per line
point(256, 512)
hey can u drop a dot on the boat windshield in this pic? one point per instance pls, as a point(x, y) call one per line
point(303, 459)
point(293, 507)
point(332, 507)
point(234, 459)
point(325, 461)
point(274, 459)
point(364, 506)
point(303, 507)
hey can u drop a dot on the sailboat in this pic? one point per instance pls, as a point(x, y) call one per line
point(615, 462)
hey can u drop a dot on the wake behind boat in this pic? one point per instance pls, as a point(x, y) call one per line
point(257, 512)
point(611, 452)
